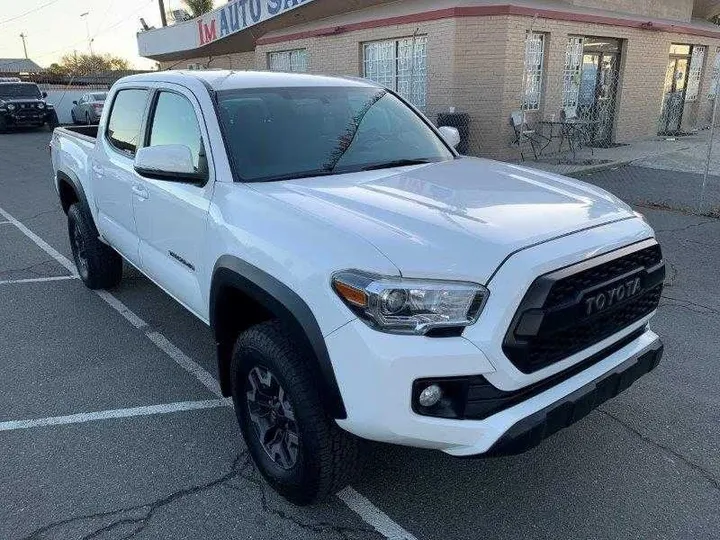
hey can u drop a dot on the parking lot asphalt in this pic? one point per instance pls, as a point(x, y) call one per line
point(646, 465)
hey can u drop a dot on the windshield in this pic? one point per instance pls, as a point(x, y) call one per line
point(98, 97)
point(283, 133)
point(19, 91)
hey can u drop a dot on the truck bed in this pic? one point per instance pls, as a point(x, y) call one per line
point(83, 132)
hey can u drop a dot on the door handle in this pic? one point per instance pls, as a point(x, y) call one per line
point(140, 191)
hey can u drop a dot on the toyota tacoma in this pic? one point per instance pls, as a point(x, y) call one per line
point(362, 279)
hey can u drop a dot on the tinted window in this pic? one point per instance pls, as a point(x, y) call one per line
point(123, 130)
point(279, 133)
point(19, 91)
point(98, 97)
point(175, 122)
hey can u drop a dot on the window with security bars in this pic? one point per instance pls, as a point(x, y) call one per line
point(695, 73)
point(534, 66)
point(399, 64)
point(572, 74)
point(715, 82)
point(294, 61)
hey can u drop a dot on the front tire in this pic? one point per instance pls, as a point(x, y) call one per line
point(297, 447)
point(99, 266)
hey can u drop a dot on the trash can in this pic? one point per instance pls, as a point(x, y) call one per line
point(461, 121)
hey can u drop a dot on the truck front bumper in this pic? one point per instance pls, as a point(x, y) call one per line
point(376, 373)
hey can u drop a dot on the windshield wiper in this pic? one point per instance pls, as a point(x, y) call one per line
point(295, 176)
point(397, 163)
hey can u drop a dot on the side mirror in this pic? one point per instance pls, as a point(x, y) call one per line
point(74, 102)
point(167, 162)
point(44, 94)
point(451, 135)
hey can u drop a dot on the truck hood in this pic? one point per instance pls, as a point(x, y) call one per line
point(456, 219)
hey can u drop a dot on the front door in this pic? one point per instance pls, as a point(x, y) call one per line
point(113, 173)
point(674, 99)
point(598, 88)
point(171, 215)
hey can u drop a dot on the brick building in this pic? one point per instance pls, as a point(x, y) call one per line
point(636, 67)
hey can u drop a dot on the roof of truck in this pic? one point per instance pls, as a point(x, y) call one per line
point(231, 80)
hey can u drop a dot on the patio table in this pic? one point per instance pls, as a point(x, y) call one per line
point(571, 130)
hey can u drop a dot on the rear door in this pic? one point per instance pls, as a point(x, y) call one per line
point(113, 173)
point(171, 215)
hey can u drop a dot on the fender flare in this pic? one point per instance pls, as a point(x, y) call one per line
point(285, 305)
point(71, 178)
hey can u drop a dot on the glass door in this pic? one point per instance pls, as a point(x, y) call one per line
point(676, 79)
point(598, 88)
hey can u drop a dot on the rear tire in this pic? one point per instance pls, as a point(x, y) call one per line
point(323, 458)
point(99, 266)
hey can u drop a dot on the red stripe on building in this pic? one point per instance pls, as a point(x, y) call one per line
point(488, 11)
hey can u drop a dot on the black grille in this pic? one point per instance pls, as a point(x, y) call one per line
point(568, 288)
point(552, 323)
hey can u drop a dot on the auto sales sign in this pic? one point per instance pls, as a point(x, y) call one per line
point(237, 15)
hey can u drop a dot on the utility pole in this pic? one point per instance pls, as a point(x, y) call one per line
point(23, 36)
point(87, 30)
point(163, 17)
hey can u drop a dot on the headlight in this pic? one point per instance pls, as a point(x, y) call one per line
point(409, 306)
point(41, 105)
point(10, 107)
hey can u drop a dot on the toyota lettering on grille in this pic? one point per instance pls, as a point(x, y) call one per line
point(610, 297)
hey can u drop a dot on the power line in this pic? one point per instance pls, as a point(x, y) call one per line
point(99, 32)
point(16, 17)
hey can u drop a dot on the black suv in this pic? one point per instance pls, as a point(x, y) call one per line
point(22, 104)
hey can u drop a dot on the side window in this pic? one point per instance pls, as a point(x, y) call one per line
point(123, 130)
point(174, 122)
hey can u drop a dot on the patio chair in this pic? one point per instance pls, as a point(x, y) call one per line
point(523, 134)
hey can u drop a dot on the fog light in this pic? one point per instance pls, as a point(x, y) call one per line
point(430, 396)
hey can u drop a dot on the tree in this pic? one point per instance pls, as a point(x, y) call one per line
point(85, 64)
point(198, 7)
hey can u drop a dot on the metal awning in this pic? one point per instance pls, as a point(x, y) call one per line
point(235, 26)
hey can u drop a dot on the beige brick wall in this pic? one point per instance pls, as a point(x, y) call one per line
point(475, 64)
point(238, 61)
point(342, 55)
point(679, 10)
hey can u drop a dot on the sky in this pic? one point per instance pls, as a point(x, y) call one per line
point(55, 27)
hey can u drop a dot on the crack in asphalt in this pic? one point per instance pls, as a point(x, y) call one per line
point(689, 305)
point(712, 480)
point(318, 526)
point(51, 211)
point(30, 269)
point(141, 515)
point(148, 509)
point(687, 227)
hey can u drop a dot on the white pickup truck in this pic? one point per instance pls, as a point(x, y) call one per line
point(362, 279)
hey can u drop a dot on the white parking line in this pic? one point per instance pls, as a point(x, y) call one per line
point(365, 509)
point(372, 515)
point(116, 413)
point(36, 280)
point(158, 339)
